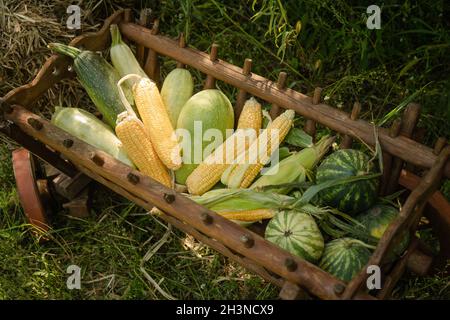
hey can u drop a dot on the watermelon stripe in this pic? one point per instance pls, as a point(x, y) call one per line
point(305, 239)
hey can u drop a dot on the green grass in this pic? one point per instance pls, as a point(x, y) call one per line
point(318, 43)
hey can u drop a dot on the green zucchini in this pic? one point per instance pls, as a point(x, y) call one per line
point(98, 78)
point(122, 57)
point(86, 127)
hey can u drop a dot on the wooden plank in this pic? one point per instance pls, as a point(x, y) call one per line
point(402, 147)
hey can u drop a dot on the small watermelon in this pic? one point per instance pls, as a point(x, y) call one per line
point(352, 197)
point(344, 258)
point(297, 233)
point(376, 220)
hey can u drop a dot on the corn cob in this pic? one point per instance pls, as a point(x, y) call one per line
point(243, 205)
point(249, 164)
point(296, 167)
point(251, 116)
point(156, 121)
point(249, 215)
point(208, 173)
point(131, 132)
point(134, 138)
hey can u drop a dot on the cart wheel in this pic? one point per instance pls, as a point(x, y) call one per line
point(33, 193)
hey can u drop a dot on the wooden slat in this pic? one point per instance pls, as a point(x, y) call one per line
point(140, 49)
point(337, 120)
point(281, 85)
point(394, 131)
point(310, 125)
point(409, 122)
point(242, 94)
point(210, 82)
point(151, 66)
point(347, 140)
point(181, 44)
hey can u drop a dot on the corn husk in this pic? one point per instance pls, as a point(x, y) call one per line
point(294, 168)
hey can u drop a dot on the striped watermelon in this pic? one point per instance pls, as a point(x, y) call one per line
point(297, 233)
point(344, 258)
point(377, 219)
point(352, 197)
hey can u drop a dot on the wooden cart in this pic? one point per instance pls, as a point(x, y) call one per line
point(295, 277)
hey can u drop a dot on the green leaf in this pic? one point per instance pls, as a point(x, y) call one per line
point(299, 138)
point(391, 114)
point(283, 153)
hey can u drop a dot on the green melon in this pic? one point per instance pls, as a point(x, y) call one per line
point(297, 233)
point(376, 220)
point(212, 110)
point(344, 258)
point(351, 197)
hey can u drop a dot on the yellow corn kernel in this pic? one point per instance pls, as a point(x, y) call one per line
point(157, 122)
point(248, 215)
point(208, 173)
point(132, 134)
point(249, 164)
point(251, 115)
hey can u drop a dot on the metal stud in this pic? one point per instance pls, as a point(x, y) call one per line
point(134, 179)
point(98, 160)
point(68, 143)
point(206, 218)
point(169, 197)
point(339, 288)
point(36, 124)
point(247, 241)
point(290, 264)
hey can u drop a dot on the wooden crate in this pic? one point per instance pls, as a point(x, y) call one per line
point(295, 276)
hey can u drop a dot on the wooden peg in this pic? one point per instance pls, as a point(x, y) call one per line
point(310, 125)
point(281, 85)
point(409, 121)
point(127, 15)
point(291, 291)
point(242, 94)
point(394, 131)
point(347, 140)
point(210, 81)
point(151, 67)
point(439, 145)
point(140, 49)
point(181, 44)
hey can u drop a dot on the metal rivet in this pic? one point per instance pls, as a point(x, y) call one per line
point(134, 179)
point(339, 288)
point(96, 159)
point(68, 143)
point(169, 197)
point(290, 264)
point(206, 218)
point(36, 124)
point(247, 241)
